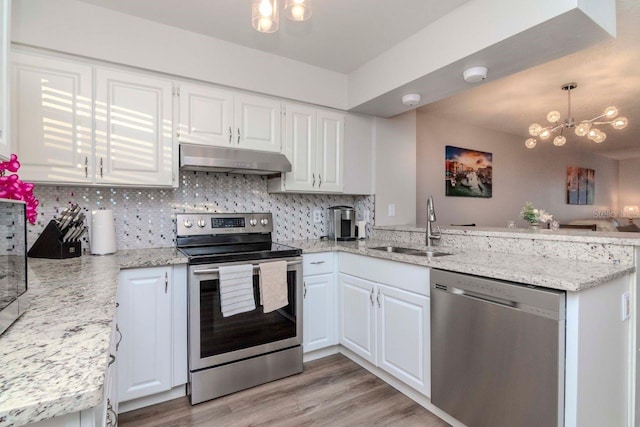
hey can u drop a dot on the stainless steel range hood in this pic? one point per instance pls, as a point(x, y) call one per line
point(231, 160)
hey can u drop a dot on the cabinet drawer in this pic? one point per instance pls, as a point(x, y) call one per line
point(318, 263)
point(409, 277)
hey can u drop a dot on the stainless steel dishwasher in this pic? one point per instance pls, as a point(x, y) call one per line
point(497, 351)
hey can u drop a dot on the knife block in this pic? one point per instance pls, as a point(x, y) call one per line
point(50, 245)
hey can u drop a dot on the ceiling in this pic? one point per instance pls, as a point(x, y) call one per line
point(607, 74)
point(341, 35)
point(345, 34)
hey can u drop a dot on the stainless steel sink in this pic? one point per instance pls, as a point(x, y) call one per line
point(411, 251)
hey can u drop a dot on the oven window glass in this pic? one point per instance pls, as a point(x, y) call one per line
point(220, 335)
point(13, 261)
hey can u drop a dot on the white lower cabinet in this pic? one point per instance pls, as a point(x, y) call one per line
point(152, 310)
point(386, 324)
point(357, 314)
point(404, 336)
point(145, 317)
point(319, 302)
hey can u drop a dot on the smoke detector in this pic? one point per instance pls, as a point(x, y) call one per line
point(475, 74)
point(411, 99)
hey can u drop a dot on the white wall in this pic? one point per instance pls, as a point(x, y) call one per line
point(78, 28)
point(395, 170)
point(519, 175)
point(629, 182)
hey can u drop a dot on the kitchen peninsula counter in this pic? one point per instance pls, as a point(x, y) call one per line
point(54, 358)
point(555, 273)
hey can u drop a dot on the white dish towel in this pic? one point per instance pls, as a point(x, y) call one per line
point(236, 289)
point(273, 285)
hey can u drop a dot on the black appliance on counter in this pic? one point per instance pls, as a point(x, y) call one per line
point(13, 262)
point(228, 354)
point(342, 223)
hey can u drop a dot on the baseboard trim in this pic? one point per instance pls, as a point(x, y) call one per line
point(319, 354)
point(132, 405)
point(412, 394)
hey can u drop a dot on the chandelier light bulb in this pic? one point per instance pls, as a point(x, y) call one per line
point(530, 143)
point(620, 123)
point(535, 129)
point(298, 10)
point(264, 16)
point(593, 132)
point(553, 116)
point(559, 141)
point(265, 8)
point(600, 137)
point(611, 112)
point(545, 134)
point(583, 128)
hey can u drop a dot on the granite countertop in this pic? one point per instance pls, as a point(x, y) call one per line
point(563, 274)
point(54, 358)
point(562, 235)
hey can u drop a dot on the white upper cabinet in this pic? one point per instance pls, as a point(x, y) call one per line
point(206, 116)
point(134, 130)
point(329, 164)
point(300, 147)
point(5, 37)
point(257, 122)
point(211, 116)
point(52, 119)
point(314, 143)
point(74, 123)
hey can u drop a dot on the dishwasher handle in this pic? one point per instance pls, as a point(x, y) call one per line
point(548, 303)
point(478, 296)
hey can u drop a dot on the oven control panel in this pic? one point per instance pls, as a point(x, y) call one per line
point(200, 224)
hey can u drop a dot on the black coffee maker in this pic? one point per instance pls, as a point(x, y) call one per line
point(342, 223)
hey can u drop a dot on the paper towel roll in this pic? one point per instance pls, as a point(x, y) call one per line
point(103, 232)
point(362, 229)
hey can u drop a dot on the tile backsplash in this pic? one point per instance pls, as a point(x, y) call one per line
point(145, 218)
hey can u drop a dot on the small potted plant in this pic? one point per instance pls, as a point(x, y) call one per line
point(534, 216)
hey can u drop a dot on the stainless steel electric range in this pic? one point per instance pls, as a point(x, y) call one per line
point(228, 354)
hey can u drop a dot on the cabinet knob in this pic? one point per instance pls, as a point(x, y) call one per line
point(238, 135)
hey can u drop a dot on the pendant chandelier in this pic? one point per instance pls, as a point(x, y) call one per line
point(265, 14)
point(584, 128)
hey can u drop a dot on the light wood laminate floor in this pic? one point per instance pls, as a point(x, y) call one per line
point(333, 391)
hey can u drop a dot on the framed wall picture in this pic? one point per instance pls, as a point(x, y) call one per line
point(581, 186)
point(468, 173)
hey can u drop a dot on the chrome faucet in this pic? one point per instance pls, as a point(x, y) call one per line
point(431, 218)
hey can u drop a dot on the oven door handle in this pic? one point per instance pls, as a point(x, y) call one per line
point(256, 267)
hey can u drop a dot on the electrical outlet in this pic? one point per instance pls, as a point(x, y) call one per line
point(626, 306)
point(392, 209)
point(367, 216)
point(317, 216)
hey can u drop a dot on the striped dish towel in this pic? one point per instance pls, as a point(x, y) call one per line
point(236, 289)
